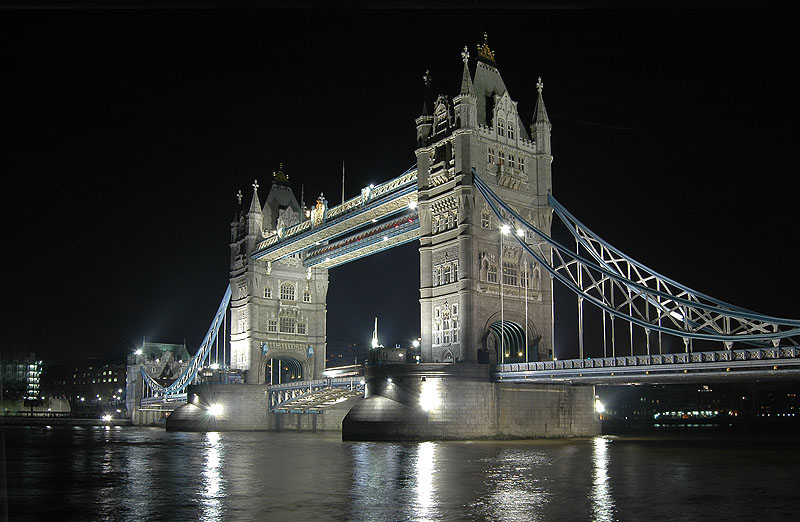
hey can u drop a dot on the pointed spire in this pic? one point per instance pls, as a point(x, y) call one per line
point(427, 79)
point(540, 114)
point(255, 205)
point(466, 79)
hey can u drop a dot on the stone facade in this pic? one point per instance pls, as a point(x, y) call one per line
point(277, 308)
point(461, 268)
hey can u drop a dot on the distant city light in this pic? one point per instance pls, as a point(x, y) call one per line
point(415, 343)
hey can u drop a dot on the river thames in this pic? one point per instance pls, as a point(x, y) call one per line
point(144, 474)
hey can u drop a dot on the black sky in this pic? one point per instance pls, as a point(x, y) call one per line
point(129, 132)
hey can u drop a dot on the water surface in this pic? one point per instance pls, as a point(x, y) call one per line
point(143, 474)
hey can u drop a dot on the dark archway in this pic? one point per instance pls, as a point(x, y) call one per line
point(280, 371)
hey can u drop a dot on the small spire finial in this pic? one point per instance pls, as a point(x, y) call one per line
point(427, 78)
point(280, 175)
point(483, 49)
point(239, 196)
point(465, 55)
point(255, 185)
point(539, 85)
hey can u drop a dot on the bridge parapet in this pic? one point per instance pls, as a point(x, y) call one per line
point(782, 362)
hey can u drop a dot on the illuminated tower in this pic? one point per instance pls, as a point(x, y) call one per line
point(463, 278)
point(278, 327)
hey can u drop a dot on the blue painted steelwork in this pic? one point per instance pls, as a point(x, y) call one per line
point(190, 373)
point(369, 237)
point(677, 310)
point(402, 190)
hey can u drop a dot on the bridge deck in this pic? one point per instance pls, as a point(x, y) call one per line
point(374, 204)
point(747, 364)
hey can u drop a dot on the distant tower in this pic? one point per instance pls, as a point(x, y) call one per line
point(278, 328)
point(460, 264)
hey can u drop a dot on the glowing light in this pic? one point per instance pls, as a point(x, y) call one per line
point(389, 380)
point(429, 398)
point(214, 366)
point(505, 229)
point(599, 407)
point(520, 232)
point(139, 352)
point(412, 205)
point(415, 343)
point(106, 418)
point(215, 410)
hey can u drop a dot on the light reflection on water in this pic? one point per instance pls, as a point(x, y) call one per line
point(214, 489)
point(602, 501)
point(425, 486)
point(148, 474)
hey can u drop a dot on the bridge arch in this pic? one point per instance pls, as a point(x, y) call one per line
point(508, 332)
point(278, 367)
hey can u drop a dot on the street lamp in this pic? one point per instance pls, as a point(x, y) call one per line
point(504, 231)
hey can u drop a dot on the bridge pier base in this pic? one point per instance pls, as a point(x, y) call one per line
point(460, 402)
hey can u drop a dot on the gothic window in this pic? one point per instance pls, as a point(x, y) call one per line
point(455, 330)
point(437, 312)
point(455, 309)
point(491, 273)
point(449, 223)
point(436, 272)
point(501, 128)
point(242, 321)
point(485, 222)
point(301, 327)
point(502, 157)
point(455, 271)
point(509, 273)
point(287, 324)
point(272, 326)
point(511, 129)
point(307, 296)
point(491, 156)
point(435, 224)
point(287, 291)
point(511, 161)
point(446, 273)
point(268, 292)
point(521, 160)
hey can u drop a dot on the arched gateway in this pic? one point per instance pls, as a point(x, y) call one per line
point(281, 251)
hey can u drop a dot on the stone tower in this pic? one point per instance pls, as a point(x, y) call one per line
point(462, 274)
point(277, 309)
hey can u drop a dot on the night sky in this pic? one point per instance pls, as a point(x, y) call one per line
point(128, 134)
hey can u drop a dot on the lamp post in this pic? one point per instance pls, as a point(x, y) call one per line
point(504, 231)
point(521, 235)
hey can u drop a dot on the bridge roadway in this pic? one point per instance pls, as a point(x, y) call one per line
point(674, 368)
point(348, 223)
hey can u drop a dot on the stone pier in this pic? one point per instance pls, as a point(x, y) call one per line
point(460, 402)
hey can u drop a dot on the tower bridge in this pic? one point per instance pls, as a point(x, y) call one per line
point(479, 201)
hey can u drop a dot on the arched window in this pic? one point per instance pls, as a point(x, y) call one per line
point(287, 291)
point(501, 128)
point(511, 129)
point(307, 296)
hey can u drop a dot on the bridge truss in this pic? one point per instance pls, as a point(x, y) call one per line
point(160, 395)
point(622, 288)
